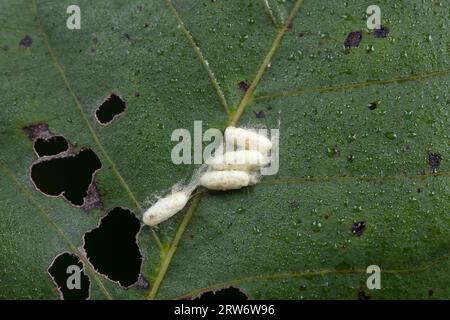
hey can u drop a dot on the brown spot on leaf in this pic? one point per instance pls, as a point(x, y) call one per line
point(353, 39)
point(381, 32)
point(38, 130)
point(26, 41)
point(434, 160)
point(294, 205)
point(92, 199)
point(142, 283)
point(363, 296)
point(260, 114)
point(244, 86)
point(359, 227)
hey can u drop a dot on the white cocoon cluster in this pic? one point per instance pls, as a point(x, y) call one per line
point(228, 180)
point(248, 139)
point(242, 160)
point(240, 168)
point(228, 171)
point(165, 208)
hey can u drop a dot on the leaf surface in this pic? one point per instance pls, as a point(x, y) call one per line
point(357, 128)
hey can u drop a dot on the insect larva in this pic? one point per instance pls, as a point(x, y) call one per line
point(248, 139)
point(228, 180)
point(165, 208)
point(241, 160)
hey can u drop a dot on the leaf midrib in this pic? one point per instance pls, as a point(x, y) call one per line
point(245, 102)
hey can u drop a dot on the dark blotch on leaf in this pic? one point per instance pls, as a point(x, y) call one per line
point(260, 114)
point(37, 130)
point(434, 160)
point(93, 199)
point(381, 32)
point(353, 39)
point(358, 228)
point(230, 293)
point(70, 175)
point(50, 146)
point(112, 107)
point(142, 283)
point(62, 276)
point(112, 247)
point(26, 42)
point(243, 85)
point(373, 105)
point(363, 296)
point(294, 205)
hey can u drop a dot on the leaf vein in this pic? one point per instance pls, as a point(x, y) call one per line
point(357, 85)
point(57, 229)
point(200, 56)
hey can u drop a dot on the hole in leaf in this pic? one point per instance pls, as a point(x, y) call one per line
point(50, 146)
point(111, 108)
point(112, 248)
point(68, 275)
point(230, 293)
point(69, 176)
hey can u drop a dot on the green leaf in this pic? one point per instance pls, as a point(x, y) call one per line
point(357, 129)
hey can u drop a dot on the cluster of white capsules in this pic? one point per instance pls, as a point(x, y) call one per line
point(226, 171)
point(238, 168)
